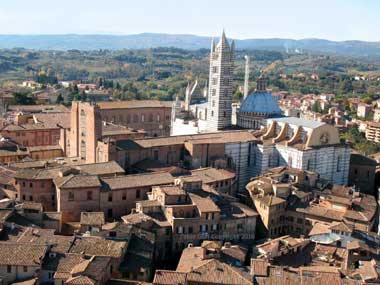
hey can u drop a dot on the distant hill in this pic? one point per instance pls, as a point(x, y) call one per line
point(148, 40)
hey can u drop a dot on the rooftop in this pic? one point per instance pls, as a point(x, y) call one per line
point(260, 102)
point(21, 254)
point(137, 180)
point(221, 137)
point(300, 122)
point(77, 181)
point(92, 218)
point(134, 104)
point(210, 175)
point(98, 246)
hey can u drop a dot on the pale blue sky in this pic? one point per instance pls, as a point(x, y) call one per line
point(328, 19)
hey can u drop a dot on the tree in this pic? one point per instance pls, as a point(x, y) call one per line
point(237, 96)
point(316, 107)
point(345, 86)
point(23, 98)
point(59, 99)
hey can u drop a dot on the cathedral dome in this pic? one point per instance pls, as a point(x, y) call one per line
point(260, 102)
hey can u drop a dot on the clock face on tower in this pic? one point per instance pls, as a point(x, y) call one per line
point(324, 139)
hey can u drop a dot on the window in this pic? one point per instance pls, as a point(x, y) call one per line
point(135, 118)
point(214, 69)
point(142, 118)
point(224, 114)
point(109, 213)
point(25, 269)
point(30, 198)
point(213, 92)
point(179, 230)
point(213, 103)
point(31, 185)
point(214, 81)
point(155, 155)
point(9, 269)
point(158, 117)
point(128, 118)
point(89, 195)
point(124, 197)
point(150, 117)
point(299, 221)
point(338, 164)
point(112, 234)
point(109, 197)
point(309, 164)
point(23, 184)
point(290, 161)
point(71, 196)
point(190, 230)
point(138, 194)
point(212, 113)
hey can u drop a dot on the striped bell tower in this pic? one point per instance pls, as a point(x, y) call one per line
point(219, 109)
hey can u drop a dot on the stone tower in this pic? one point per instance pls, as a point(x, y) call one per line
point(86, 130)
point(219, 108)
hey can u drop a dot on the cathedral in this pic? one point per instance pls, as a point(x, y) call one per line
point(258, 107)
point(210, 109)
point(280, 140)
point(214, 112)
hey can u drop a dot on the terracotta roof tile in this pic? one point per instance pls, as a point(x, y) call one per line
point(98, 246)
point(166, 277)
point(138, 180)
point(211, 175)
point(92, 218)
point(134, 104)
point(21, 254)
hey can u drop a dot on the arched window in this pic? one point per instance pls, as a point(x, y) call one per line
point(135, 118)
point(142, 118)
point(158, 117)
point(150, 117)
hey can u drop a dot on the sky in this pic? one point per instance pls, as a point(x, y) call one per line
point(242, 19)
